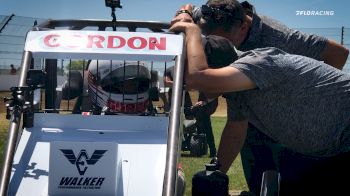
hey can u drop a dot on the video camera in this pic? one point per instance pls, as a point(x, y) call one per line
point(113, 3)
point(220, 14)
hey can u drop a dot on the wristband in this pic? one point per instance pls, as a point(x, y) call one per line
point(184, 11)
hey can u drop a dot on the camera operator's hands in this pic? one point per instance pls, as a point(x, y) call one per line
point(197, 106)
point(186, 27)
point(184, 14)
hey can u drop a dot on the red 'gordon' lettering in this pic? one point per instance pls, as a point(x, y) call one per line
point(111, 42)
point(98, 41)
point(48, 38)
point(160, 45)
point(131, 42)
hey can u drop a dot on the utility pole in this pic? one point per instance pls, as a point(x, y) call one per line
point(342, 36)
point(6, 21)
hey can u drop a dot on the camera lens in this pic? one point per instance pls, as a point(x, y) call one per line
point(196, 14)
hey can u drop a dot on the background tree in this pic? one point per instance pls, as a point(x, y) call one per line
point(76, 65)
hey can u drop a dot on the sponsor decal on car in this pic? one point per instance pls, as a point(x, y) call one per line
point(82, 161)
point(83, 168)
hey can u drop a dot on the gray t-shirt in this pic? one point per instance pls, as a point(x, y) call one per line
point(267, 32)
point(300, 102)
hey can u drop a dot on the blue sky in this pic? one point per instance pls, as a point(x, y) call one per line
point(163, 10)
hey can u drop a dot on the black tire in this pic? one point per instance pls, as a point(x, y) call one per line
point(270, 184)
point(198, 145)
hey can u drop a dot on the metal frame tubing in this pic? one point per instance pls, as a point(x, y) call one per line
point(50, 85)
point(13, 130)
point(170, 176)
point(103, 24)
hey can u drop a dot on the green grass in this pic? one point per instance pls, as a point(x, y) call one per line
point(191, 165)
point(4, 123)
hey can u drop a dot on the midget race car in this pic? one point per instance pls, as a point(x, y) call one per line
point(95, 132)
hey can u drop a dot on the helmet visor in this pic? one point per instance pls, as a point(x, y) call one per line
point(129, 86)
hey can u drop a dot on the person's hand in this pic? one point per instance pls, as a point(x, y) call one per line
point(184, 14)
point(185, 27)
point(199, 104)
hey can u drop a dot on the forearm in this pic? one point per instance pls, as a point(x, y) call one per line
point(232, 140)
point(335, 54)
point(196, 58)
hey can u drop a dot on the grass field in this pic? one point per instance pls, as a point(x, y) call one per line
point(191, 165)
point(4, 123)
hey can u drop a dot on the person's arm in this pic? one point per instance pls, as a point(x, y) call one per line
point(227, 79)
point(199, 76)
point(232, 140)
point(335, 54)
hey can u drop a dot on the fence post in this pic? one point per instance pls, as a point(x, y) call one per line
point(7, 20)
point(342, 36)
